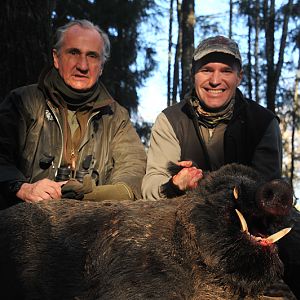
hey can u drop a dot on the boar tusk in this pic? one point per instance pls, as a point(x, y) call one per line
point(278, 235)
point(243, 222)
point(235, 193)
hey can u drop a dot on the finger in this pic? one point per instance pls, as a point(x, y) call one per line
point(185, 172)
point(45, 196)
point(195, 179)
point(196, 172)
point(185, 163)
point(42, 190)
point(56, 185)
point(54, 192)
point(54, 189)
point(178, 180)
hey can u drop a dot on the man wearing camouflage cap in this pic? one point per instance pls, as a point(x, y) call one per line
point(215, 125)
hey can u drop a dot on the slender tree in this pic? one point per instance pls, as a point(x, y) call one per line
point(296, 99)
point(230, 18)
point(177, 57)
point(256, 51)
point(249, 55)
point(170, 43)
point(188, 23)
point(295, 117)
point(274, 70)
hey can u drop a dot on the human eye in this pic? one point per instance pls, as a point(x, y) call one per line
point(228, 70)
point(73, 51)
point(93, 55)
point(204, 70)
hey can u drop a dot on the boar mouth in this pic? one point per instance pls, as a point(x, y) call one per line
point(264, 241)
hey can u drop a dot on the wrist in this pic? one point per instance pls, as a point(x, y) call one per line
point(170, 190)
point(176, 183)
point(14, 187)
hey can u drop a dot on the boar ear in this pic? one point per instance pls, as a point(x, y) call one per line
point(235, 193)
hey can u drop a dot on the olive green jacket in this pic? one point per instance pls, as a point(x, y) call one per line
point(31, 141)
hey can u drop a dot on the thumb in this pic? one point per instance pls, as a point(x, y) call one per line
point(185, 163)
point(87, 183)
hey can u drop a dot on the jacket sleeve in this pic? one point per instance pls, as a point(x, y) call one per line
point(164, 147)
point(267, 158)
point(128, 154)
point(12, 138)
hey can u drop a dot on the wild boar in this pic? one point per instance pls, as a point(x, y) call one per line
point(189, 247)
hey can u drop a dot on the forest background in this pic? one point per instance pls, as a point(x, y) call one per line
point(267, 31)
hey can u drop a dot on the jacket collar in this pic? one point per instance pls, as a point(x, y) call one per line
point(240, 102)
point(103, 99)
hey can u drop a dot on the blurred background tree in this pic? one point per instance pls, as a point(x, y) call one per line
point(25, 41)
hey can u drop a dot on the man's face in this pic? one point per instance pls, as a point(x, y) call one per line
point(216, 82)
point(79, 61)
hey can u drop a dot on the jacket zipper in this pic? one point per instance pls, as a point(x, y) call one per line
point(85, 136)
point(61, 134)
point(73, 162)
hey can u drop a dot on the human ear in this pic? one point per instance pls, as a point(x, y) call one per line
point(240, 76)
point(55, 58)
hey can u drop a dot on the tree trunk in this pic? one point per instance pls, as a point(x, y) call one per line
point(256, 51)
point(269, 24)
point(279, 65)
point(230, 18)
point(170, 52)
point(249, 55)
point(188, 23)
point(274, 71)
point(177, 55)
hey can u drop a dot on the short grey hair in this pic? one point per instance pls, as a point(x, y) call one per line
point(59, 36)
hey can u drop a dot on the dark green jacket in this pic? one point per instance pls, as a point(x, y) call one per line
point(31, 134)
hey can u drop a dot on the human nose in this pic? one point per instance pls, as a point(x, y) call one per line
point(82, 63)
point(215, 78)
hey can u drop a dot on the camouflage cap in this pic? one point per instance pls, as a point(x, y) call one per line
point(217, 44)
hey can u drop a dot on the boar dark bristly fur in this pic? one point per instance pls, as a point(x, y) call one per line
point(189, 247)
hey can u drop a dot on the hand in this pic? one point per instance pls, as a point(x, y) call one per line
point(44, 189)
point(74, 189)
point(188, 177)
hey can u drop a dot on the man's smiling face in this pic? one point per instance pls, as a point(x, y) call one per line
point(216, 82)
